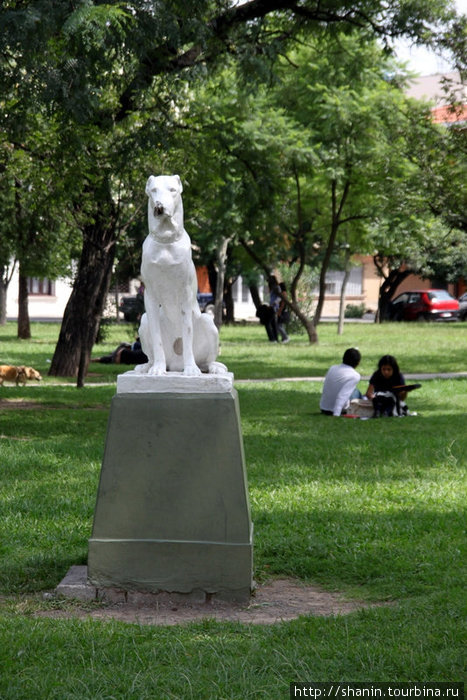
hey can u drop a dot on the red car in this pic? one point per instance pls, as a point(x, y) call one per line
point(424, 305)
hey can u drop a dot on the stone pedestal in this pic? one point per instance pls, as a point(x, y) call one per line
point(172, 511)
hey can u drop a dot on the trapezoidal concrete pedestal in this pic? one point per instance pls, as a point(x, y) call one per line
point(172, 511)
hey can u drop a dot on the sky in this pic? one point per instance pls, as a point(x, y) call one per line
point(421, 60)
point(425, 62)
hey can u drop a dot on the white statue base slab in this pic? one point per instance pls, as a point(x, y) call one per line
point(134, 383)
point(172, 511)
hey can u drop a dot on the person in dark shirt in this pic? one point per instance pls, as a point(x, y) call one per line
point(125, 354)
point(386, 377)
point(383, 388)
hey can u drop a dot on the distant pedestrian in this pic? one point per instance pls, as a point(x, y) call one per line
point(283, 315)
point(266, 316)
point(274, 303)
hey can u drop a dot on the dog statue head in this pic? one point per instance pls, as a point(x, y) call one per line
point(165, 207)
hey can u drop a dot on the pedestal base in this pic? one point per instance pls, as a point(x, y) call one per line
point(172, 511)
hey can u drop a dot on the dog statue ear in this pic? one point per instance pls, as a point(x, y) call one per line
point(148, 184)
point(177, 177)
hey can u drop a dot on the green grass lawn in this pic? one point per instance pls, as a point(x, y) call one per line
point(419, 347)
point(373, 509)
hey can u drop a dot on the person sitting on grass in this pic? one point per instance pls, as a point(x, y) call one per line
point(340, 384)
point(384, 388)
point(125, 354)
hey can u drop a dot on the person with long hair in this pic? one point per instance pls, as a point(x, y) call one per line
point(384, 388)
point(386, 377)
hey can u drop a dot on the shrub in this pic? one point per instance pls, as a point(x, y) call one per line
point(354, 310)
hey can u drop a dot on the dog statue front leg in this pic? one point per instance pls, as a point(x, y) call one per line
point(156, 355)
point(190, 368)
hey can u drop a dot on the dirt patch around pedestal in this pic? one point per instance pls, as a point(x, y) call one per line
point(275, 601)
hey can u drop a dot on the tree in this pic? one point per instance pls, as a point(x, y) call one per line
point(348, 121)
point(312, 164)
point(7, 255)
point(230, 176)
point(422, 230)
point(427, 248)
point(35, 232)
point(114, 73)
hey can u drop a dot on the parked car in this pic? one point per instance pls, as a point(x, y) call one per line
point(206, 302)
point(132, 307)
point(424, 305)
point(463, 307)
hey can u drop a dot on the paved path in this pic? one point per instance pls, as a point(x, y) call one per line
point(436, 375)
point(407, 375)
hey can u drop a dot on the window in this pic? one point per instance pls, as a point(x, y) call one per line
point(439, 295)
point(334, 279)
point(41, 286)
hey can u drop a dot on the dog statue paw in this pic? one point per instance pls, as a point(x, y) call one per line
point(175, 335)
point(142, 369)
point(217, 368)
point(192, 371)
point(157, 370)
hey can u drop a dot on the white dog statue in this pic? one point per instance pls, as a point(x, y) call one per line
point(175, 335)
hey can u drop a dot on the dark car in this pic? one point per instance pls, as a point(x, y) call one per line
point(206, 302)
point(463, 307)
point(424, 305)
point(132, 307)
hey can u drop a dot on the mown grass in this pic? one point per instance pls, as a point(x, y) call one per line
point(419, 347)
point(422, 347)
point(372, 509)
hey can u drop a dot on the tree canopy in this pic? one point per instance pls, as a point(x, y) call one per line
point(114, 77)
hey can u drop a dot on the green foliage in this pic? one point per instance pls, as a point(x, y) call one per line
point(372, 509)
point(114, 90)
point(295, 168)
point(354, 310)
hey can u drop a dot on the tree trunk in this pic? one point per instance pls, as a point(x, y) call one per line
point(3, 297)
point(87, 300)
point(308, 324)
point(221, 259)
point(337, 208)
point(4, 282)
point(229, 314)
point(391, 282)
point(24, 326)
point(322, 275)
point(340, 325)
point(291, 303)
point(212, 275)
point(254, 292)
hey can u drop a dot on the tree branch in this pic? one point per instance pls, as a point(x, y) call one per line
point(165, 59)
